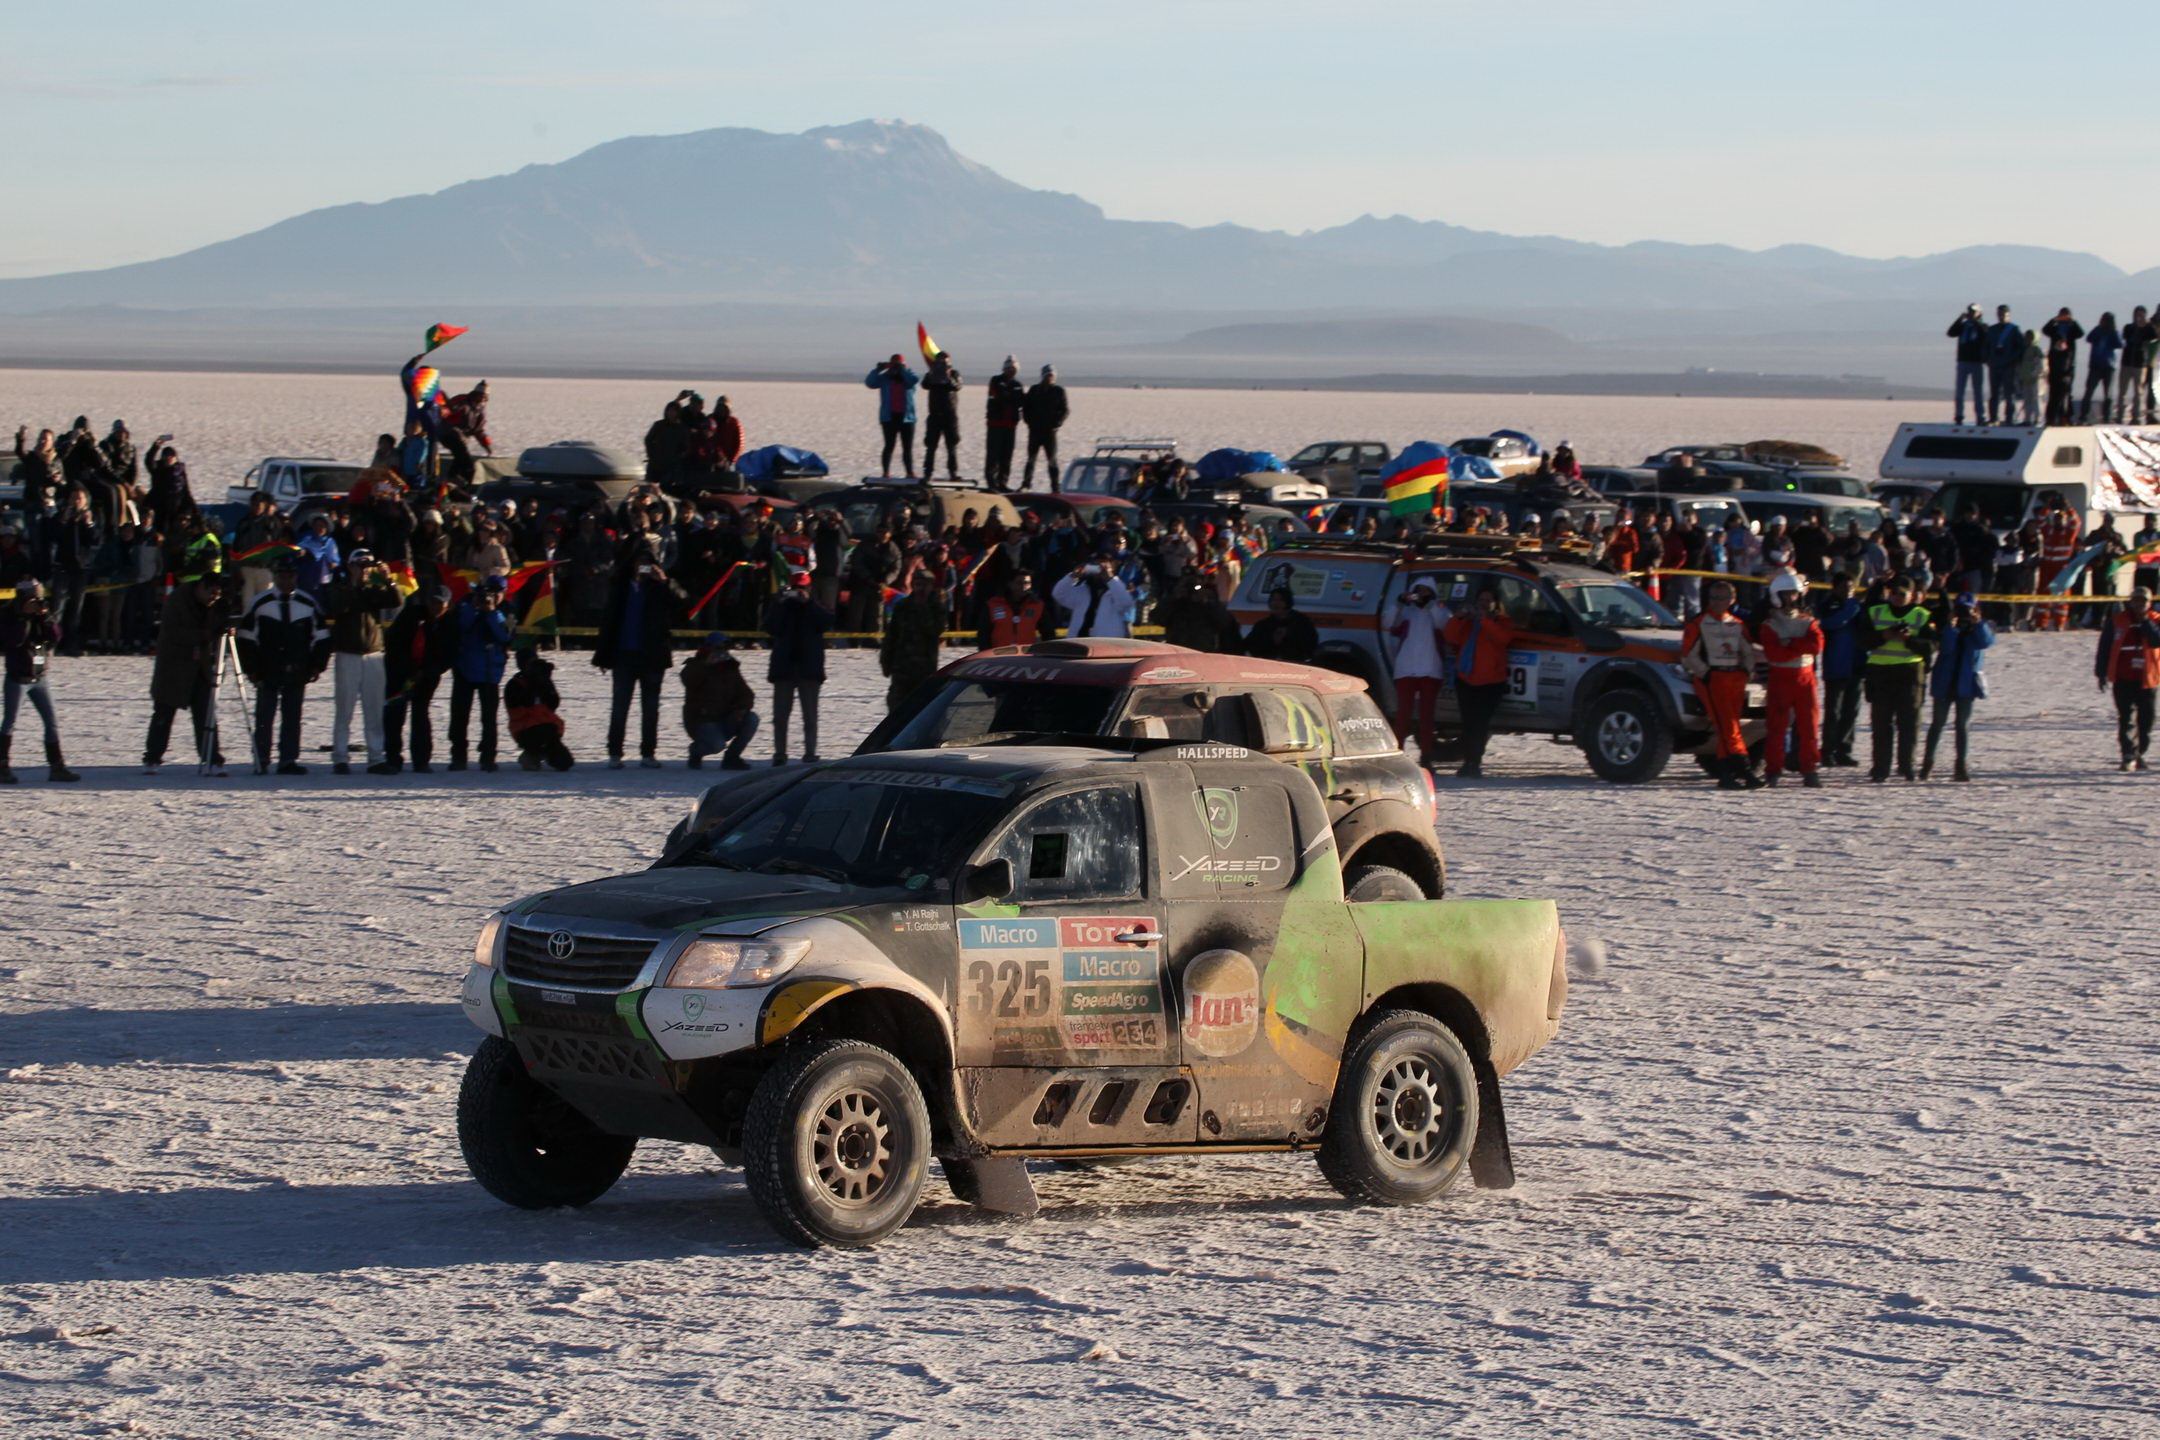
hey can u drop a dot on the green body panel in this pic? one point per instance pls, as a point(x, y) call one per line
point(1497, 954)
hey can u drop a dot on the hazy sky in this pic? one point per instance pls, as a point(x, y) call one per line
point(137, 128)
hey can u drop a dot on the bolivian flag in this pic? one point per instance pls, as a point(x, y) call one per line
point(1415, 481)
point(539, 616)
point(930, 348)
point(267, 554)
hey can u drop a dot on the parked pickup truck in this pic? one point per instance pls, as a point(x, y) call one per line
point(986, 957)
point(291, 480)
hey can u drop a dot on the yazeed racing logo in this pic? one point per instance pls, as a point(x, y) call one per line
point(1222, 1003)
point(1218, 811)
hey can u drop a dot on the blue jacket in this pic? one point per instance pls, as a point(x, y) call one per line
point(896, 394)
point(483, 644)
point(1841, 656)
point(318, 561)
point(1958, 658)
point(2106, 343)
point(2005, 343)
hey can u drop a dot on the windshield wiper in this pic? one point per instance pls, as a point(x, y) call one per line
point(785, 866)
point(706, 857)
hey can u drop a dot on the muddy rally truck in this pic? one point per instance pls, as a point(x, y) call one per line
point(995, 956)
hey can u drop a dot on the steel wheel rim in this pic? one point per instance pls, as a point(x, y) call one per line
point(1408, 1111)
point(852, 1149)
point(1620, 736)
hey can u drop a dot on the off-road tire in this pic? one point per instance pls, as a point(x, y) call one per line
point(1405, 1114)
point(836, 1144)
point(1626, 737)
point(1379, 882)
point(526, 1145)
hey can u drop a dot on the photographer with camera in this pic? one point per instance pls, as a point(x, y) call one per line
point(1971, 334)
point(480, 645)
point(359, 606)
point(27, 638)
point(1096, 603)
point(895, 384)
point(635, 647)
point(1414, 626)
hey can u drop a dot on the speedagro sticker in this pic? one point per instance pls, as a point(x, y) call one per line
point(1222, 1003)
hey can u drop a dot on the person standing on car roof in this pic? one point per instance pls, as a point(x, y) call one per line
point(2141, 342)
point(1718, 656)
point(2102, 346)
point(1001, 424)
point(1481, 641)
point(1284, 633)
point(2129, 660)
point(2032, 367)
point(284, 647)
point(1415, 627)
point(943, 385)
point(27, 638)
point(1957, 680)
point(417, 651)
point(1839, 614)
point(1899, 637)
point(2063, 332)
point(2005, 344)
point(1971, 334)
point(895, 384)
point(1045, 411)
point(797, 625)
point(1792, 643)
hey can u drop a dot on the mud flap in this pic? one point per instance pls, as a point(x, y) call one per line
point(1492, 1165)
point(1001, 1184)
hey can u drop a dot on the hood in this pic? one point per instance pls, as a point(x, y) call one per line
point(681, 897)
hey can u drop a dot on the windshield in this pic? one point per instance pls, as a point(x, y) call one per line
point(1614, 603)
point(884, 828)
point(1835, 517)
point(964, 712)
point(327, 480)
point(1310, 455)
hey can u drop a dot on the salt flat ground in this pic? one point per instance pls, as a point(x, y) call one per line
point(1851, 1130)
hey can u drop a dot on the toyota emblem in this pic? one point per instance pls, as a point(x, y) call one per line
point(562, 945)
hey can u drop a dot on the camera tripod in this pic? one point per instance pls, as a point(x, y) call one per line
point(228, 664)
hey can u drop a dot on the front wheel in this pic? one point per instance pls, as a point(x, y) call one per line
point(836, 1144)
point(1405, 1114)
point(526, 1145)
point(1379, 882)
point(1625, 736)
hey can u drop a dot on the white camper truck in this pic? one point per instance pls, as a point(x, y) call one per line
point(2107, 474)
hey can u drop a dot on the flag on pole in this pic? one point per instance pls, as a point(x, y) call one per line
point(439, 335)
point(930, 348)
point(539, 616)
point(1415, 481)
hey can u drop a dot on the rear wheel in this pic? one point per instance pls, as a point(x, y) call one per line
point(1405, 1113)
point(1379, 882)
point(1625, 736)
point(526, 1145)
point(836, 1144)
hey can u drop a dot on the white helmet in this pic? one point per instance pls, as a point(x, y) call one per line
point(1784, 583)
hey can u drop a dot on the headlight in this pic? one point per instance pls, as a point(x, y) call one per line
point(714, 964)
point(487, 950)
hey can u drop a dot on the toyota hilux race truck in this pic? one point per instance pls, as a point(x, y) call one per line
point(1379, 800)
point(1596, 662)
point(992, 956)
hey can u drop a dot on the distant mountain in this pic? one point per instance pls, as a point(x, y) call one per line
point(884, 212)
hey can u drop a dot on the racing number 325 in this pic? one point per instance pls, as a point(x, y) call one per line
point(1008, 988)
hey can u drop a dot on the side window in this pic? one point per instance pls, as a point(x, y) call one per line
point(1372, 454)
point(1285, 722)
point(2066, 455)
point(1180, 711)
point(1360, 728)
point(1229, 842)
point(1082, 846)
point(1532, 610)
point(1456, 588)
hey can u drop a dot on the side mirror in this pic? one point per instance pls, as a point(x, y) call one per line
point(991, 880)
point(1601, 638)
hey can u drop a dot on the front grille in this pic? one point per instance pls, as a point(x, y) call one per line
point(585, 1055)
point(600, 961)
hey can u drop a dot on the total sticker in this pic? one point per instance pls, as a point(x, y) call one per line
point(1222, 1003)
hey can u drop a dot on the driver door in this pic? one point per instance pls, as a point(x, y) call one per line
point(1061, 1003)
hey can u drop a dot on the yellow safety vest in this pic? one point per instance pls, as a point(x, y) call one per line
point(1894, 651)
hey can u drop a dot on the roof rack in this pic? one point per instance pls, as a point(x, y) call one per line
point(1135, 444)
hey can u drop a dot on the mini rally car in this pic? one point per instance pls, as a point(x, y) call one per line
point(991, 956)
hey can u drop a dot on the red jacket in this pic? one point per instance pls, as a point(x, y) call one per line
point(727, 441)
point(1481, 645)
point(2059, 535)
point(2130, 650)
point(1005, 625)
point(1790, 643)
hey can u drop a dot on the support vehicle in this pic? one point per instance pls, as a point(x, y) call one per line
point(291, 480)
point(1595, 663)
point(991, 957)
